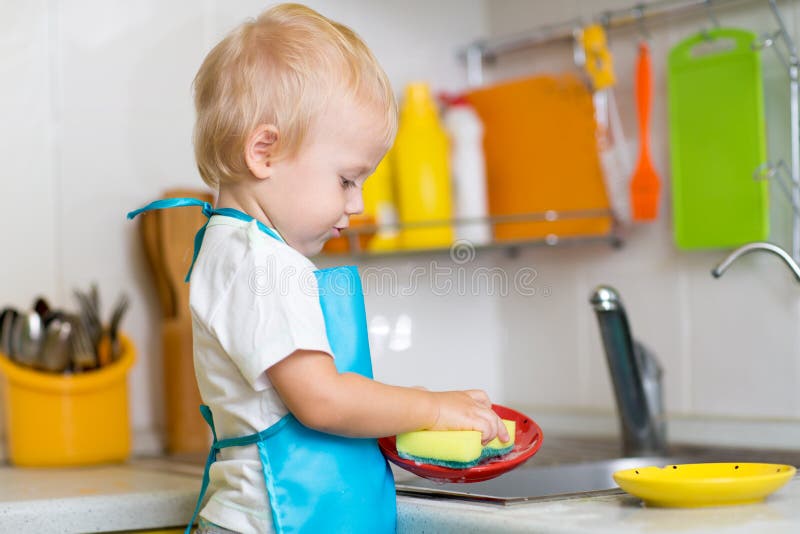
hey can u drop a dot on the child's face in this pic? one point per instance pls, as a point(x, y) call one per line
point(311, 197)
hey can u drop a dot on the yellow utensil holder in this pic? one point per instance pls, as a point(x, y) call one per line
point(67, 420)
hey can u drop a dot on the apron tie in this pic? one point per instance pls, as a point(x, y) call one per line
point(208, 211)
point(218, 444)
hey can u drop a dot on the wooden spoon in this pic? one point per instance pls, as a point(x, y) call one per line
point(186, 430)
point(149, 228)
point(178, 228)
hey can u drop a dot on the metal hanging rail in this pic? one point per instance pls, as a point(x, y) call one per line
point(486, 50)
point(479, 52)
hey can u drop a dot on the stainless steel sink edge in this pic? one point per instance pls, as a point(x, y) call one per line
point(411, 491)
point(529, 484)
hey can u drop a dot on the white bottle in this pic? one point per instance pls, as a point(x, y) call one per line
point(468, 167)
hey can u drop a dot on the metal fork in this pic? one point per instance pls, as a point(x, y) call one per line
point(113, 326)
point(90, 313)
point(84, 356)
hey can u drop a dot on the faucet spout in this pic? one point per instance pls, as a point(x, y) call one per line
point(635, 375)
point(720, 269)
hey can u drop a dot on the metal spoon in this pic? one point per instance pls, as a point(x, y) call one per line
point(26, 338)
point(56, 348)
point(7, 318)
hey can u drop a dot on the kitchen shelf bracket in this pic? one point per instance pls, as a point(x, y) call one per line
point(778, 171)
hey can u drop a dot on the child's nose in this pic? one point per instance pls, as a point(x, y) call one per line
point(355, 203)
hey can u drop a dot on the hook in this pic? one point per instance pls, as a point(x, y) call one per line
point(578, 51)
point(475, 58)
point(781, 174)
point(605, 20)
point(764, 40)
point(713, 18)
point(639, 14)
point(770, 40)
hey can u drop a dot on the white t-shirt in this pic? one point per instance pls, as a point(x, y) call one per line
point(254, 301)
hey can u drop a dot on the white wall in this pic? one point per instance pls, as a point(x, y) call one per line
point(98, 115)
point(98, 120)
point(730, 347)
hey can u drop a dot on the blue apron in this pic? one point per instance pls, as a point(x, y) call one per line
point(316, 482)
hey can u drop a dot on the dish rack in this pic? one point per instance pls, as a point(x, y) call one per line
point(478, 54)
point(460, 247)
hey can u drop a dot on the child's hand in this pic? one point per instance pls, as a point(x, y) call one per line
point(468, 410)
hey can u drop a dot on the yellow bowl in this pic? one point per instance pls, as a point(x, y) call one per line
point(712, 484)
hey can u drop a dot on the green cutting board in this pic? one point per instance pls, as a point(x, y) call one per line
point(717, 140)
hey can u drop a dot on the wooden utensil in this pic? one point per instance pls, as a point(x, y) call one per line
point(187, 432)
point(150, 231)
point(178, 227)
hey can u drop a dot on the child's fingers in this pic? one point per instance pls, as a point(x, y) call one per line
point(490, 426)
point(502, 431)
point(485, 427)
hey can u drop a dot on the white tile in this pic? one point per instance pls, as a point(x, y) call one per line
point(541, 336)
point(512, 16)
point(440, 331)
point(436, 29)
point(29, 212)
point(126, 76)
point(27, 147)
point(660, 284)
point(744, 338)
point(101, 111)
point(126, 71)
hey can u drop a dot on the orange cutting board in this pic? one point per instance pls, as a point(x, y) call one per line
point(541, 154)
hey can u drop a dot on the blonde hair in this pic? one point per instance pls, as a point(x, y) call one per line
point(281, 69)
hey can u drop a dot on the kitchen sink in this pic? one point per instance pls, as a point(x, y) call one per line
point(572, 468)
point(564, 468)
point(538, 483)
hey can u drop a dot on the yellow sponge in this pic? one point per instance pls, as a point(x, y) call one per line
point(458, 449)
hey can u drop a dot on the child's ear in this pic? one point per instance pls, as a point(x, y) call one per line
point(258, 149)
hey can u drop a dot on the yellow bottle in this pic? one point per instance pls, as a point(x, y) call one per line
point(379, 210)
point(379, 204)
point(422, 172)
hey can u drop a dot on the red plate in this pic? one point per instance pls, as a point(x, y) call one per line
point(527, 441)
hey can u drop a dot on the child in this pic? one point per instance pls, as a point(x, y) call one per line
point(293, 114)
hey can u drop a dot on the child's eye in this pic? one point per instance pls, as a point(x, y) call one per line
point(347, 184)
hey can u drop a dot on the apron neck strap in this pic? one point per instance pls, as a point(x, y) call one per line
point(208, 211)
point(164, 203)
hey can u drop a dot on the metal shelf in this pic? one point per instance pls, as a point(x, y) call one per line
point(481, 52)
point(614, 238)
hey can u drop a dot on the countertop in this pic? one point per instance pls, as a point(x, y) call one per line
point(609, 514)
point(160, 493)
point(94, 499)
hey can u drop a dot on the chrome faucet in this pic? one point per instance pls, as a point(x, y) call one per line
point(720, 269)
point(636, 377)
